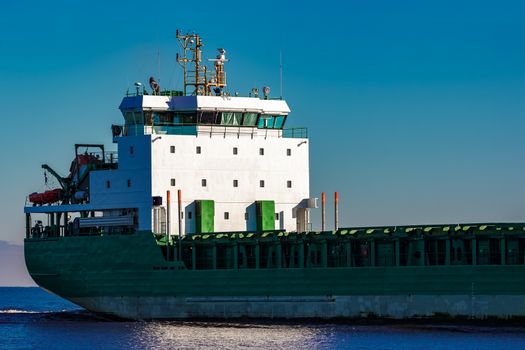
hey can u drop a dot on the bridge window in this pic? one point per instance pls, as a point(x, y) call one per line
point(235, 150)
point(237, 118)
point(261, 183)
point(165, 118)
point(172, 182)
point(289, 184)
point(250, 119)
point(266, 122)
point(203, 182)
point(209, 118)
point(235, 183)
point(161, 118)
point(231, 118)
point(271, 122)
point(288, 151)
point(261, 151)
point(172, 149)
point(128, 117)
point(226, 215)
point(198, 149)
point(184, 118)
point(279, 122)
point(133, 118)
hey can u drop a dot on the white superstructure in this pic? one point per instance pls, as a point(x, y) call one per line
point(199, 145)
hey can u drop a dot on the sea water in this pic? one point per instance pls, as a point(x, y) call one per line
point(31, 318)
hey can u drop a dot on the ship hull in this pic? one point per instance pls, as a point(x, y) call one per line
point(398, 307)
point(127, 276)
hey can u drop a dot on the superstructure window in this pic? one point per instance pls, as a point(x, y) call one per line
point(172, 182)
point(276, 216)
point(266, 122)
point(235, 183)
point(250, 119)
point(129, 183)
point(131, 150)
point(261, 151)
point(226, 215)
point(279, 122)
point(133, 118)
point(289, 184)
point(246, 216)
point(271, 121)
point(172, 149)
point(198, 149)
point(237, 118)
point(235, 150)
point(203, 182)
point(165, 118)
point(189, 215)
point(209, 118)
point(108, 184)
point(261, 183)
point(288, 151)
point(128, 117)
point(162, 118)
point(184, 118)
point(231, 118)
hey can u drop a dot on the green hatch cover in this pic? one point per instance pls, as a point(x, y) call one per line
point(205, 214)
point(265, 215)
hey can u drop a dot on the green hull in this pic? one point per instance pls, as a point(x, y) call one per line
point(129, 276)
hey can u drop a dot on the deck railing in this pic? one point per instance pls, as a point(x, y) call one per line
point(295, 133)
point(211, 130)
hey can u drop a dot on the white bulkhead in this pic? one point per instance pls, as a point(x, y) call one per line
point(231, 150)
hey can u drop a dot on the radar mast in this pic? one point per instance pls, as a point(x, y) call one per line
point(196, 79)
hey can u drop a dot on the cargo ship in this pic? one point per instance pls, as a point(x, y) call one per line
point(204, 212)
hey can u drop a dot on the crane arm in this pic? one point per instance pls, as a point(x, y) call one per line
point(64, 183)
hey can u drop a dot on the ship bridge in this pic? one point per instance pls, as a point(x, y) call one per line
point(193, 115)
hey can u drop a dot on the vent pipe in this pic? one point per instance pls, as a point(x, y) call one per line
point(168, 206)
point(336, 211)
point(323, 211)
point(179, 195)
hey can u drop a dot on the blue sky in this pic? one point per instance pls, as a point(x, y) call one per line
point(415, 108)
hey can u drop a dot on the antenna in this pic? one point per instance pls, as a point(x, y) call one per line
point(281, 71)
point(219, 80)
point(158, 62)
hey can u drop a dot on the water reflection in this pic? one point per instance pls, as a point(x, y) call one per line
point(191, 335)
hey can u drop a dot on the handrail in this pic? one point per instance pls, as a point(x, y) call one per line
point(211, 129)
point(177, 93)
point(295, 133)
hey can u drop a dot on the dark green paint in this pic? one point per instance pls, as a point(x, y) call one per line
point(262, 264)
point(265, 215)
point(205, 222)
